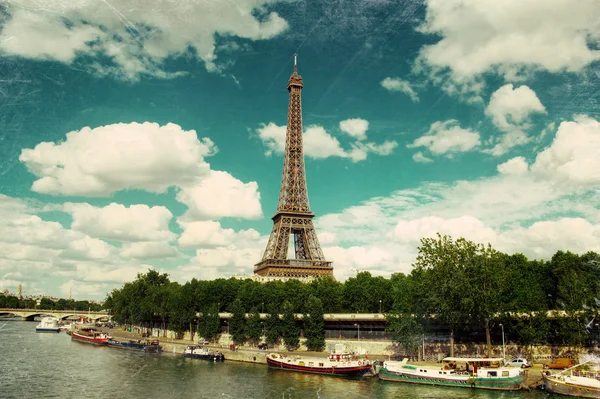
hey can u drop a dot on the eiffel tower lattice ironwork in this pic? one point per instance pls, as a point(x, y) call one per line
point(293, 217)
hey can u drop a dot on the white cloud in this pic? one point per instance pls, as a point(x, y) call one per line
point(543, 239)
point(115, 157)
point(221, 195)
point(396, 84)
point(18, 251)
point(447, 138)
point(148, 250)
point(572, 158)
point(233, 253)
point(419, 157)
point(360, 149)
point(507, 141)
point(510, 108)
point(319, 144)
point(510, 37)
point(135, 37)
point(273, 137)
point(88, 248)
point(469, 227)
point(118, 222)
point(204, 234)
point(514, 166)
point(356, 128)
point(32, 249)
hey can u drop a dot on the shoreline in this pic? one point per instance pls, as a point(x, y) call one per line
point(254, 355)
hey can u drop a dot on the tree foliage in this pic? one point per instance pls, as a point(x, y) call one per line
point(314, 324)
point(237, 323)
point(254, 326)
point(289, 329)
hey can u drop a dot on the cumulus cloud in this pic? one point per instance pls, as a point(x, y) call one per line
point(231, 253)
point(204, 234)
point(221, 195)
point(148, 250)
point(572, 158)
point(319, 144)
point(396, 84)
point(133, 38)
point(47, 253)
point(100, 161)
point(447, 138)
point(514, 166)
point(118, 222)
point(469, 227)
point(510, 37)
point(510, 108)
point(356, 128)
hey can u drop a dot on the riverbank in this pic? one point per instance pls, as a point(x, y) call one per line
point(249, 354)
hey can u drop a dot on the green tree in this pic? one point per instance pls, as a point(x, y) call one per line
point(209, 324)
point(487, 289)
point(314, 324)
point(272, 326)
point(289, 328)
point(441, 266)
point(46, 304)
point(180, 308)
point(254, 326)
point(406, 331)
point(237, 324)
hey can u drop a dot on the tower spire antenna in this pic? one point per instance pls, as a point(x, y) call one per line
point(295, 63)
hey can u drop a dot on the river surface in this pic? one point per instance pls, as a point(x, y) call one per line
point(46, 365)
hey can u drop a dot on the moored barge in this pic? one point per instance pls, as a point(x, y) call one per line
point(479, 373)
point(90, 335)
point(150, 346)
point(343, 364)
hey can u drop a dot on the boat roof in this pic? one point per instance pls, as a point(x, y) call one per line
point(472, 359)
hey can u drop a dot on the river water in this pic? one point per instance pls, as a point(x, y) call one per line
point(36, 365)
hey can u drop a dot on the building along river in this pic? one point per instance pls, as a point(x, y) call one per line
point(34, 365)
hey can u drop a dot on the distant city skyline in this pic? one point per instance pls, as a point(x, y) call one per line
point(136, 138)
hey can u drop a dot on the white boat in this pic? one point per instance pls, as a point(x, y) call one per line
point(482, 373)
point(582, 380)
point(48, 324)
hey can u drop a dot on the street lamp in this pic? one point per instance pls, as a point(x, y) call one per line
point(380, 306)
point(503, 347)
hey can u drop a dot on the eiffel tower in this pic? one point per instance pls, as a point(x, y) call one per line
point(293, 217)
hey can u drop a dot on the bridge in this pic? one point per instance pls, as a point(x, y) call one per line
point(30, 314)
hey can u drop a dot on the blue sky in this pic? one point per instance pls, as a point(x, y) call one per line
point(141, 134)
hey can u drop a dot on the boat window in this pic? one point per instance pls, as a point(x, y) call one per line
point(311, 363)
point(321, 364)
point(492, 374)
point(505, 374)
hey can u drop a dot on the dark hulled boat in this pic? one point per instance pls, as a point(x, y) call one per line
point(150, 346)
point(201, 352)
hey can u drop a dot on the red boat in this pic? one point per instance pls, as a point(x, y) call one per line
point(90, 336)
point(345, 364)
